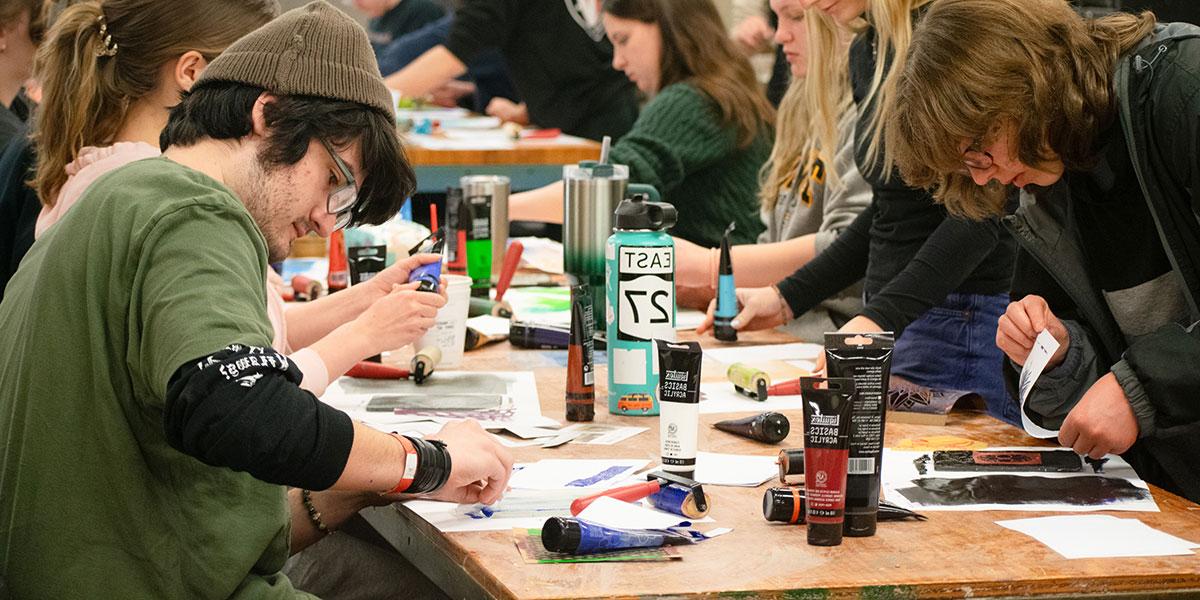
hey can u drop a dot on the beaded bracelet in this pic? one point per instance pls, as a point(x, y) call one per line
point(313, 514)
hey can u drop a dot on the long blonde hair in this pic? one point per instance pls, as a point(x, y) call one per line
point(828, 64)
point(89, 81)
point(800, 139)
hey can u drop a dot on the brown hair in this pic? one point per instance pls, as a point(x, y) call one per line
point(697, 50)
point(974, 64)
point(11, 11)
point(88, 88)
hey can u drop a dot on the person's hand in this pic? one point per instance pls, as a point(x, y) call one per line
point(693, 264)
point(399, 318)
point(448, 94)
point(1020, 325)
point(753, 34)
point(479, 465)
point(1102, 422)
point(398, 273)
point(859, 324)
point(762, 308)
point(508, 111)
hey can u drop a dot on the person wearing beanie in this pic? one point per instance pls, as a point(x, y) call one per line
point(157, 459)
point(557, 55)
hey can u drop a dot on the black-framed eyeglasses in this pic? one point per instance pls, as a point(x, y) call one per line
point(342, 199)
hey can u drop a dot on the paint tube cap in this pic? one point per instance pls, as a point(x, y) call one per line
point(824, 534)
point(860, 525)
point(560, 534)
point(784, 505)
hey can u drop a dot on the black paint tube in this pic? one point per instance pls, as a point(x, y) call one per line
point(581, 390)
point(679, 405)
point(768, 427)
point(867, 359)
point(365, 262)
point(786, 505)
point(827, 404)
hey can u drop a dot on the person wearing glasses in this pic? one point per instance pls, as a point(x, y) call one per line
point(156, 445)
point(87, 131)
point(1100, 137)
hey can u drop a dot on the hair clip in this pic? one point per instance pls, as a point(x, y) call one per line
point(110, 47)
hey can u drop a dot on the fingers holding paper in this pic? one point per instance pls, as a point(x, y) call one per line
point(1020, 325)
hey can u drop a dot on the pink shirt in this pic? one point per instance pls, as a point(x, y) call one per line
point(94, 162)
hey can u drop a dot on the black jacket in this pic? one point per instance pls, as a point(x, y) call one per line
point(1158, 93)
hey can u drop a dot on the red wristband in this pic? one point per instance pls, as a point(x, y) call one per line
point(410, 464)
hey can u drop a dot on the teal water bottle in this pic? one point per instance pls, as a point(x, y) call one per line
point(639, 272)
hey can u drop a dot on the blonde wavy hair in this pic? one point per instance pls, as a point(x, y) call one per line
point(827, 64)
point(1035, 64)
point(799, 121)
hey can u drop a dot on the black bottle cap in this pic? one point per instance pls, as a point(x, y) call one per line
point(860, 525)
point(638, 213)
point(560, 534)
point(824, 534)
point(775, 428)
point(780, 505)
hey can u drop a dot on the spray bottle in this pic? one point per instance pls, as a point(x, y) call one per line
point(640, 286)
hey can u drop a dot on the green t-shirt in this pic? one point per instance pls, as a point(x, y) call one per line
point(157, 265)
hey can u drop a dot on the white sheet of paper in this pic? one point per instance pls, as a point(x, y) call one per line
point(518, 508)
point(898, 471)
point(598, 434)
point(519, 386)
point(489, 325)
point(554, 474)
point(543, 254)
point(1100, 536)
point(687, 319)
point(752, 354)
point(625, 515)
point(735, 469)
point(722, 398)
point(529, 433)
point(1043, 348)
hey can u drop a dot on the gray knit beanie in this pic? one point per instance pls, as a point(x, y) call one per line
point(314, 50)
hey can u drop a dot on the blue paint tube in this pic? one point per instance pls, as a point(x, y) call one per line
point(429, 275)
point(576, 536)
point(727, 306)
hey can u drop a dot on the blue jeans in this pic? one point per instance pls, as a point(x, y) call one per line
point(953, 346)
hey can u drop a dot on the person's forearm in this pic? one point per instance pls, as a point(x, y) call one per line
point(544, 204)
point(308, 322)
point(426, 73)
point(760, 265)
point(335, 508)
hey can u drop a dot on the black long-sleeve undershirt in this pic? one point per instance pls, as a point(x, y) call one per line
point(242, 408)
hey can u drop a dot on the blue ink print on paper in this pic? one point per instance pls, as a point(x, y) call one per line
point(606, 474)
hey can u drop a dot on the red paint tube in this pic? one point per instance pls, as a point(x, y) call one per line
point(827, 404)
point(339, 269)
point(867, 359)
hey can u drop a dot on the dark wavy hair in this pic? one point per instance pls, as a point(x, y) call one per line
point(976, 63)
point(222, 111)
point(696, 49)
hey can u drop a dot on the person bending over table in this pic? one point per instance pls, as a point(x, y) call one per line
point(1100, 135)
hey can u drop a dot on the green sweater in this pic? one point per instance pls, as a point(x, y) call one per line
point(679, 146)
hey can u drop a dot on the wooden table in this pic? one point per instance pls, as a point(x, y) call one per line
point(952, 555)
point(528, 164)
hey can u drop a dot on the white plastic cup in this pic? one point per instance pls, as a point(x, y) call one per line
point(449, 331)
